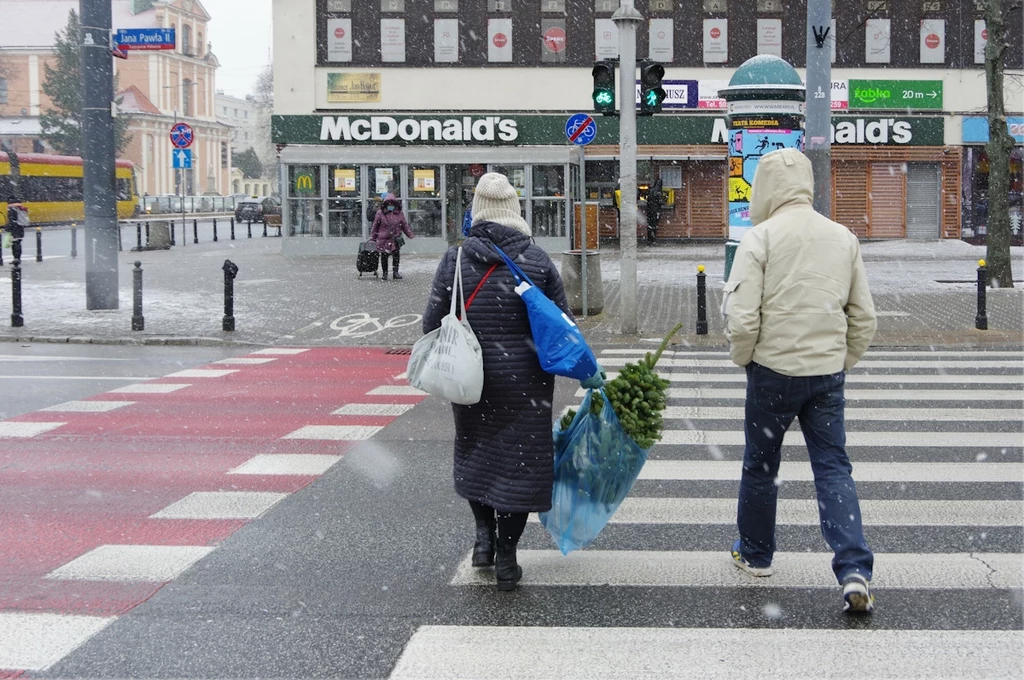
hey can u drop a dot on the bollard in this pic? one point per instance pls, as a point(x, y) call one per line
point(172, 234)
point(230, 271)
point(702, 303)
point(1, 249)
point(138, 235)
point(74, 240)
point(214, 229)
point(39, 244)
point(195, 231)
point(249, 224)
point(147, 233)
point(264, 228)
point(138, 322)
point(981, 320)
point(232, 228)
point(16, 319)
point(120, 246)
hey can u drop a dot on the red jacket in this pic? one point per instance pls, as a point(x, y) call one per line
point(389, 225)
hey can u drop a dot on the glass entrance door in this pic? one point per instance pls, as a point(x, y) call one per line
point(461, 180)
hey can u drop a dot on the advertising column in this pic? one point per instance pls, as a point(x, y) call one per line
point(764, 113)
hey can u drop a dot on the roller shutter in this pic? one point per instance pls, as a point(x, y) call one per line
point(923, 209)
point(886, 200)
point(706, 186)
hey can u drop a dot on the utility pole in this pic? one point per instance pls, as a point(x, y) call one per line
point(818, 132)
point(626, 19)
point(98, 156)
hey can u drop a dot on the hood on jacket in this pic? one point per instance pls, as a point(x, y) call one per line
point(512, 241)
point(784, 178)
point(391, 199)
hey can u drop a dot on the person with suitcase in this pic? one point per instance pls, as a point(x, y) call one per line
point(388, 227)
point(366, 261)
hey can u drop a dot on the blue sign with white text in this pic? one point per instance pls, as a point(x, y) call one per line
point(975, 129)
point(181, 159)
point(145, 38)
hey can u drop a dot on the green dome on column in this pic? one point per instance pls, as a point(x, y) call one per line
point(764, 77)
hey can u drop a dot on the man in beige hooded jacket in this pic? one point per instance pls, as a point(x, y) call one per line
point(798, 315)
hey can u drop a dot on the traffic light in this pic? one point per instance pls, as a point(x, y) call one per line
point(604, 87)
point(651, 92)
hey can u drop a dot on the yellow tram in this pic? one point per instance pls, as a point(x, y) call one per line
point(51, 187)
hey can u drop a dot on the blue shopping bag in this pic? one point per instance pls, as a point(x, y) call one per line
point(560, 345)
point(596, 464)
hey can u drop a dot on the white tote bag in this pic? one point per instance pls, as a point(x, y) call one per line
point(448, 362)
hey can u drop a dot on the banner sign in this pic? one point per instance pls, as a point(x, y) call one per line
point(898, 95)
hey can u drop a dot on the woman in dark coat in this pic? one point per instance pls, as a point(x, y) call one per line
point(388, 226)
point(504, 452)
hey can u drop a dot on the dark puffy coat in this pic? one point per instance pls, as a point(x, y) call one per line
point(388, 226)
point(504, 452)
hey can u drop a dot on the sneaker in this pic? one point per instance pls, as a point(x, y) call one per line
point(857, 595)
point(741, 563)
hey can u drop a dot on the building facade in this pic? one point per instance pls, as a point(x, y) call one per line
point(420, 97)
point(158, 88)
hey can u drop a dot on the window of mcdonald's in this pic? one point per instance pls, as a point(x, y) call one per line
point(304, 181)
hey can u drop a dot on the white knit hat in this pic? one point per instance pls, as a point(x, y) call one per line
point(495, 200)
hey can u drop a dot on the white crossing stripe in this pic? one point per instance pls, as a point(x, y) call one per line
point(715, 569)
point(404, 375)
point(286, 464)
point(888, 379)
point(858, 395)
point(866, 363)
point(529, 652)
point(792, 471)
point(877, 439)
point(18, 430)
point(34, 642)
point(396, 391)
point(871, 353)
point(281, 350)
point(373, 409)
point(202, 373)
point(246, 361)
point(804, 512)
point(335, 433)
point(854, 413)
point(151, 388)
point(220, 505)
point(88, 406)
point(142, 563)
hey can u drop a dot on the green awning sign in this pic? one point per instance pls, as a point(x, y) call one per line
point(896, 95)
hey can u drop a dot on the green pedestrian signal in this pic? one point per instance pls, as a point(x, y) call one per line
point(604, 87)
point(651, 92)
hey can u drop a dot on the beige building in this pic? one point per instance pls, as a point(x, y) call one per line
point(157, 88)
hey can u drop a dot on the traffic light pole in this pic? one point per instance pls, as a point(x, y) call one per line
point(626, 18)
point(818, 122)
point(98, 157)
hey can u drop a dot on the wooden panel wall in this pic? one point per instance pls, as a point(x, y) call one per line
point(887, 200)
point(850, 195)
point(706, 184)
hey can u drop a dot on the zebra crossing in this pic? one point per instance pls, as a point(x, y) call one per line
point(937, 444)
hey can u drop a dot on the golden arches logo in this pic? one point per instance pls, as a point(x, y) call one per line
point(304, 183)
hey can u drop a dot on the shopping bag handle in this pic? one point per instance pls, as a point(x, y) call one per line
point(457, 292)
point(518, 273)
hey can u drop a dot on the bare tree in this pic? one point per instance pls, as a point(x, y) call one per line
point(999, 146)
point(263, 98)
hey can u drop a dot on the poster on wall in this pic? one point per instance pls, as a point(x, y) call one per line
point(746, 147)
point(344, 180)
point(446, 40)
point(933, 41)
point(384, 180)
point(423, 180)
point(876, 45)
point(840, 94)
point(499, 40)
point(661, 36)
point(707, 94)
point(980, 40)
point(339, 40)
point(769, 37)
point(716, 41)
point(606, 39)
point(554, 46)
point(392, 40)
point(353, 88)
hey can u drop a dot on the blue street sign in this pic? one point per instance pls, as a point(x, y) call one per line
point(182, 159)
point(181, 135)
point(581, 129)
point(144, 38)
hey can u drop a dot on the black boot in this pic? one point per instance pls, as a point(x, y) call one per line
point(396, 276)
point(483, 551)
point(506, 568)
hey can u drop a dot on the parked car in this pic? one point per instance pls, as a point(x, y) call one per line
point(256, 209)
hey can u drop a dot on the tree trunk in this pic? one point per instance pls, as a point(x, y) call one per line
point(999, 147)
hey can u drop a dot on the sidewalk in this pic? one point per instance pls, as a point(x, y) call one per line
point(321, 301)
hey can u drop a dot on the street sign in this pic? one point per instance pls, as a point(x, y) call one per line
point(581, 129)
point(897, 95)
point(144, 39)
point(182, 159)
point(181, 135)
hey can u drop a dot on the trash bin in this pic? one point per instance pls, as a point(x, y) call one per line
point(572, 280)
point(730, 255)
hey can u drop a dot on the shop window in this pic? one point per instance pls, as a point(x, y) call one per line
point(516, 176)
point(305, 205)
point(344, 207)
point(548, 201)
point(386, 180)
point(425, 200)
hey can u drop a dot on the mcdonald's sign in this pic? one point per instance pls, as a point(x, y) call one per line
point(304, 184)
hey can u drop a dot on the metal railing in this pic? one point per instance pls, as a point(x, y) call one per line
point(188, 204)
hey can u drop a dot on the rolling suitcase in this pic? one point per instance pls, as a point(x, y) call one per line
point(368, 258)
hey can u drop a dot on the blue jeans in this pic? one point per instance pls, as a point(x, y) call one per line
point(773, 400)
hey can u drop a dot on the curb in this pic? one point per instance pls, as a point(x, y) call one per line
point(168, 341)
